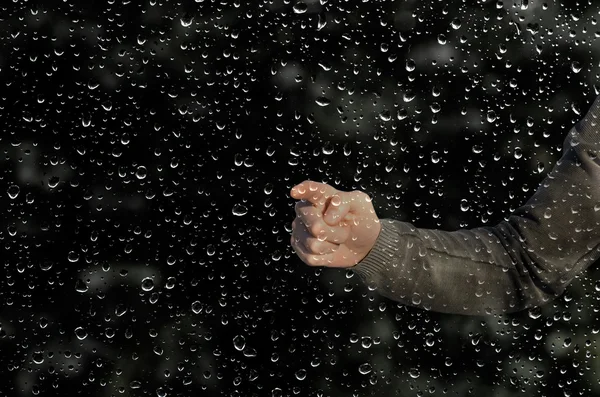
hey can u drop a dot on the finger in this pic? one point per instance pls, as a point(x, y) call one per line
point(312, 244)
point(315, 192)
point(336, 210)
point(307, 257)
point(312, 218)
point(342, 206)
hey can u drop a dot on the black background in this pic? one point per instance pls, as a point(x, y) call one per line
point(223, 114)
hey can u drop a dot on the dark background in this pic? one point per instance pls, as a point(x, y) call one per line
point(148, 152)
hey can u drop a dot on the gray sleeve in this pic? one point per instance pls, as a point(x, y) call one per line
point(525, 261)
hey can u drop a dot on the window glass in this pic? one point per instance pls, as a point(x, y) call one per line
point(148, 151)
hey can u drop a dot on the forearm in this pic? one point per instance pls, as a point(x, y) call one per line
point(462, 272)
point(523, 262)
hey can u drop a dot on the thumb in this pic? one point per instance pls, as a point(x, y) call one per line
point(337, 210)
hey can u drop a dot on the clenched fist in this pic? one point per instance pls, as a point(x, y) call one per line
point(332, 228)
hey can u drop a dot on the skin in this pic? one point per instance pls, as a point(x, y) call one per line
point(332, 228)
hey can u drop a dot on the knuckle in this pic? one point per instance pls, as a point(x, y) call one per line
point(313, 245)
point(360, 194)
point(316, 229)
point(302, 207)
point(311, 260)
point(361, 197)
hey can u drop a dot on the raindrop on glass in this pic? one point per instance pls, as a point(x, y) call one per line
point(239, 210)
point(322, 21)
point(301, 374)
point(141, 172)
point(186, 21)
point(196, 307)
point(455, 23)
point(13, 191)
point(239, 342)
point(322, 101)
point(80, 286)
point(80, 333)
point(300, 7)
point(147, 284)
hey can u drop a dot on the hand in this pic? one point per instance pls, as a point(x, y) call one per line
point(332, 228)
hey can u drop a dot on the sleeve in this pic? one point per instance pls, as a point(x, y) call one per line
point(525, 261)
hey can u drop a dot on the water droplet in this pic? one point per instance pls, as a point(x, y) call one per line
point(535, 312)
point(301, 374)
point(455, 23)
point(38, 357)
point(414, 373)
point(366, 342)
point(239, 210)
point(13, 191)
point(328, 148)
point(408, 96)
point(120, 309)
point(141, 172)
point(491, 116)
point(430, 341)
point(300, 7)
point(364, 368)
point(160, 392)
point(540, 167)
point(402, 114)
point(73, 256)
point(197, 307)
point(518, 153)
point(464, 205)
point(239, 342)
point(268, 188)
point(347, 149)
point(210, 250)
point(80, 333)
point(530, 121)
point(147, 284)
point(135, 384)
point(385, 115)
point(322, 21)
point(249, 352)
point(576, 67)
point(80, 286)
point(410, 65)
point(322, 101)
point(53, 182)
point(186, 21)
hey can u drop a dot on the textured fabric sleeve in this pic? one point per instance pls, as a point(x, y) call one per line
point(525, 261)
